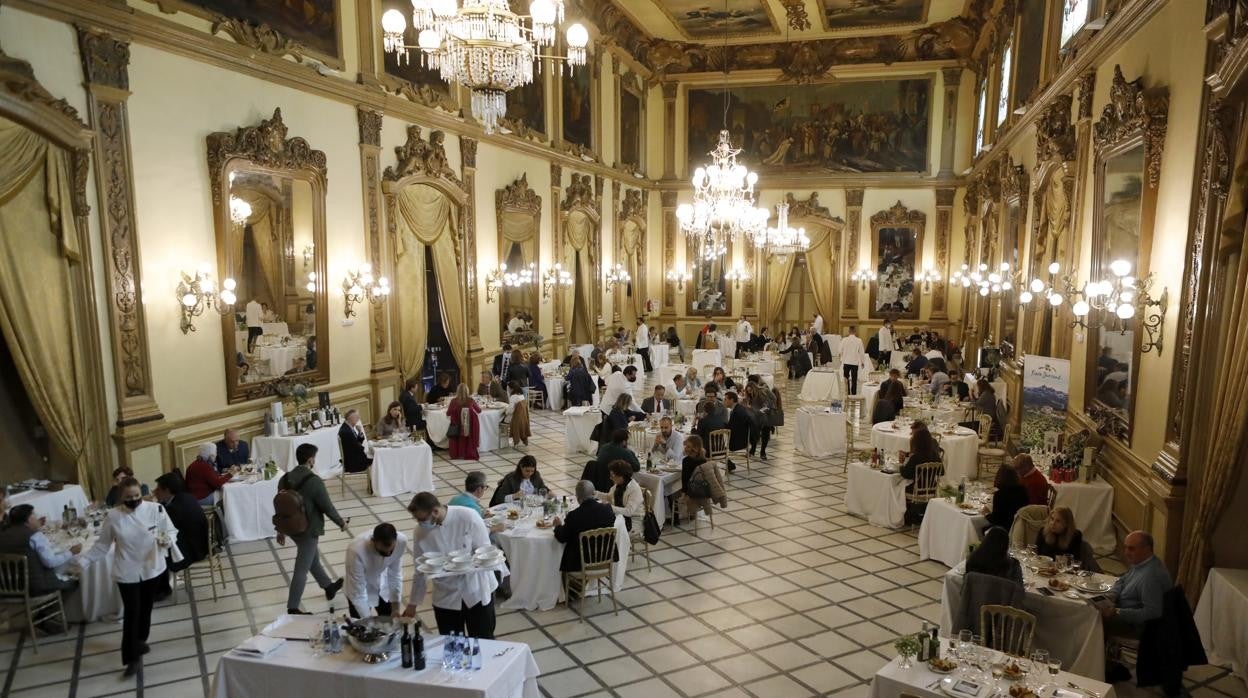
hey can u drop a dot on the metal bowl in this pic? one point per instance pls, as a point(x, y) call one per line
point(374, 649)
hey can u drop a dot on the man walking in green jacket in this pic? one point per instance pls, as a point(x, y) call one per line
point(316, 505)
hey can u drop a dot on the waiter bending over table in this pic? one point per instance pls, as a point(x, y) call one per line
point(461, 602)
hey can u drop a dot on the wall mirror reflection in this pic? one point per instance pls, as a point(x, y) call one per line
point(519, 219)
point(708, 291)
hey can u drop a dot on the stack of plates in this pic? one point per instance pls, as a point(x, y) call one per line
point(487, 556)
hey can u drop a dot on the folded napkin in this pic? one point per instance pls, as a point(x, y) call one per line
point(260, 645)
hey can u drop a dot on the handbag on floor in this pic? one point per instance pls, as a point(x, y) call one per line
point(650, 528)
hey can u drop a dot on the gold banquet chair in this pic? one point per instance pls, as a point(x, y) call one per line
point(991, 454)
point(597, 556)
point(717, 448)
point(926, 479)
point(216, 570)
point(1007, 629)
point(15, 590)
point(638, 535)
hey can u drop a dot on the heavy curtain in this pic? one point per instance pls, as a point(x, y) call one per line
point(820, 266)
point(578, 234)
point(265, 228)
point(38, 245)
point(779, 274)
point(518, 228)
point(427, 218)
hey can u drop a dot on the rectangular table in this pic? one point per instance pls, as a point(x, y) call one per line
point(249, 509)
point(946, 532)
point(402, 469)
point(1093, 505)
point(893, 682)
point(281, 449)
point(51, 505)
point(1222, 618)
point(292, 670)
point(876, 496)
point(579, 423)
point(819, 432)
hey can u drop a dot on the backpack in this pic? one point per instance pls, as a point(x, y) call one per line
point(289, 516)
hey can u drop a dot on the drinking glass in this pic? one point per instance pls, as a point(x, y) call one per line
point(1076, 565)
point(314, 643)
point(977, 654)
point(1039, 660)
point(1055, 668)
point(1024, 668)
point(998, 670)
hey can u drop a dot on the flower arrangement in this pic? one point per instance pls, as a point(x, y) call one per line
point(907, 646)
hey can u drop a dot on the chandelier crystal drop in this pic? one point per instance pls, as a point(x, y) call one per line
point(483, 45)
point(723, 209)
point(783, 241)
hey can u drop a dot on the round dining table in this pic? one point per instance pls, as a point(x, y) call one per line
point(437, 422)
point(961, 446)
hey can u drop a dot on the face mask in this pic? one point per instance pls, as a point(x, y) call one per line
point(387, 553)
point(427, 524)
point(132, 503)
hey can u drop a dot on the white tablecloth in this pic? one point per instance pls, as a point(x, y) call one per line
point(51, 505)
point(961, 448)
point(579, 423)
point(402, 469)
point(533, 556)
point(868, 391)
point(819, 433)
point(834, 343)
point(727, 348)
point(552, 365)
point(626, 360)
point(1070, 629)
point(436, 424)
point(946, 532)
point(1222, 618)
point(1093, 505)
point(292, 670)
point(97, 596)
point(249, 509)
point(892, 681)
point(898, 360)
point(662, 485)
point(821, 386)
point(281, 359)
point(878, 497)
point(705, 360)
point(687, 406)
point(664, 374)
point(659, 355)
point(282, 450)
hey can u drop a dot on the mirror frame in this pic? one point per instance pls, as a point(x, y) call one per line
point(1016, 194)
point(265, 148)
point(693, 261)
point(518, 197)
point(1134, 117)
point(897, 216)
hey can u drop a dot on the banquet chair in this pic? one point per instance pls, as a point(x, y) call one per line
point(1007, 629)
point(926, 478)
point(1027, 523)
point(343, 474)
point(717, 448)
point(15, 589)
point(638, 535)
point(537, 399)
point(991, 454)
point(1051, 497)
point(597, 557)
point(216, 570)
point(854, 406)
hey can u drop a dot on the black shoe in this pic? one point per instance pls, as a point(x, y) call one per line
point(731, 466)
point(144, 650)
point(332, 590)
point(751, 453)
point(763, 455)
point(296, 612)
point(132, 668)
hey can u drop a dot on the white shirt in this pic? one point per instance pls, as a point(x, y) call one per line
point(643, 337)
point(48, 555)
point(515, 325)
point(462, 529)
point(634, 501)
point(852, 351)
point(675, 450)
point(369, 576)
point(934, 354)
point(617, 385)
point(818, 324)
point(137, 556)
point(253, 313)
point(886, 340)
point(744, 330)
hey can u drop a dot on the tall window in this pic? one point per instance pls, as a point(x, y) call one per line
point(1074, 16)
point(1003, 86)
point(981, 116)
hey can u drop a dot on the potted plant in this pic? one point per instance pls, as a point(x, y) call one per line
point(907, 646)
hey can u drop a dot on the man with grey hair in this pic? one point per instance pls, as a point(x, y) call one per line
point(1138, 594)
point(351, 435)
point(590, 514)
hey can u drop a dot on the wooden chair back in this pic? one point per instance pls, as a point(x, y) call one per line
point(926, 477)
point(717, 449)
point(597, 552)
point(1007, 629)
point(985, 429)
point(648, 499)
point(14, 580)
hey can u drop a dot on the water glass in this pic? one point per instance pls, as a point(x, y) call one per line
point(315, 643)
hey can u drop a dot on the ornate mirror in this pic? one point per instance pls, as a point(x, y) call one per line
point(580, 224)
point(1128, 143)
point(519, 220)
point(708, 291)
point(631, 227)
point(896, 249)
point(268, 195)
point(1014, 188)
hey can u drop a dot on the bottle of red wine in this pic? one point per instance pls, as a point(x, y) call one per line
point(418, 650)
point(405, 646)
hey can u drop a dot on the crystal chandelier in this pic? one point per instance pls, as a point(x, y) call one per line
point(240, 210)
point(483, 45)
point(783, 241)
point(723, 209)
point(986, 283)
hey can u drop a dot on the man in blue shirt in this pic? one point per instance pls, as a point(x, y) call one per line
point(1138, 593)
point(474, 490)
point(232, 451)
point(22, 536)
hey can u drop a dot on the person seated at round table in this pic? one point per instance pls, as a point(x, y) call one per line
point(616, 448)
point(923, 449)
point(491, 388)
point(624, 497)
point(992, 557)
point(202, 479)
point(957, 387)
point(1060, 537)
point(620, 414)
point(721, 380)
point(536, 380)
point(799, 361)
point(393, 422)
point(441, 389)
point(121, 472)
point(188, 517)
point(474, 489)
point(691, 379)
point(1009, 497)
point(521, 482)
point(885, 409)
point(517, 369)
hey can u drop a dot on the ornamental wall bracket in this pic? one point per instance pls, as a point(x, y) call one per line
point(424, 95)
point(259, 36)
point(1055, 135)
point(898, 215)
point(583, 152)
point(633, 206)
point(266, 145)
point(518, 129)
point(809, 208)
point(580, 192)
point(517, 196)
point(796, 11)
point(18, 79)
point(420, 157)
point(1135, 110)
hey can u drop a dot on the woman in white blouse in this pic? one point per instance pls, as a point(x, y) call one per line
point(625, 496)
point(139, 535)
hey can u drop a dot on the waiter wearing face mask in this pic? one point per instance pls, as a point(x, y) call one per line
point(463, 602)
point(374, 577)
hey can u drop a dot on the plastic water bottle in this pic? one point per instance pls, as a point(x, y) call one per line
point(464, 655)
point(450, 652)
point(327, 636)
point(476, 654)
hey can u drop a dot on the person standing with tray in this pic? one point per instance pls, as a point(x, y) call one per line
point(462, 603)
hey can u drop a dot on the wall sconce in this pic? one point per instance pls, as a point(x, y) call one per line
point(617, 275)
point(862, 277)
point(499, 278)
point(308, 251)
point(926, 278)
point(359, 285)
point(198, 292)
point(679, 277)
point(1109, 303)
point(555, 277)
point(736, 275)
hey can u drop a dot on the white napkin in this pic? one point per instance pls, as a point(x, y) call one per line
point(260, 645)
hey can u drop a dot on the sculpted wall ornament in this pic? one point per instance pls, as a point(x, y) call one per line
point(1055, 135)
point(420, 157)
point(1133, 109)
point(18, 79)
point(105, 59)
point(264, 144)
point(580, 192)
point(370, 126)
point(1086, 90)
point(517, 196)
point(424, 95)
point(260, 37)
point(809, 208)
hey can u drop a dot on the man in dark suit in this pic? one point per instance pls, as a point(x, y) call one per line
point(711, 420)
point(231, 451)
point(412, 412)
point(502, 361)
point(188, 517)
point(589, 515)
point(740, 424)
point(657, 403)
point(894, 376)
point(351, 434)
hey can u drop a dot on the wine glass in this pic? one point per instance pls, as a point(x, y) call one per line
point(998, 671)
point(1055, 668)
point(1076, 565)
point(1039, 660)
point(1024, 667)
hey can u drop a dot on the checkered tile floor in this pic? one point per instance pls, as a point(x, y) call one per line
point(788, 596)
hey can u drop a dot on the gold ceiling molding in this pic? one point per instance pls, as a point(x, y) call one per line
point(1133, 109)
point(420, 157)
point(266, 145)
point(796, 12)
point(260, 37)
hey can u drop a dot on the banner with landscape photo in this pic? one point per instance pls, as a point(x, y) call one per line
point(1046, 390)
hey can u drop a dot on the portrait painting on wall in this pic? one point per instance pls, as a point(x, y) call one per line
point(312, 23)
point(630, 129)
point(856, 14)
point(858, 126)
point(698, 19)
point(895, 262)
point(578, 118)
point(526, 105)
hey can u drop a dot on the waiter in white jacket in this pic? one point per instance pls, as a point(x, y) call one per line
point(744, 331)
point(643, 345)
point(852, 356)
point(462, 603)
point(374, 576)
point(887, 344)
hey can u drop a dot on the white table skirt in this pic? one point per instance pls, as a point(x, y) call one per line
point(554, 391)
point(878, 497)
point(687, 407)
point(946, 532)
point(834, 343)
point(281, 358)
point(292, 670)
point(665, 374)
point(437, 422)
point(1070, 629)
point(961, 449)
point(1093, 505)
point(282, 450)
point(898, 360)
point(660, 354)
point(249, 509)
point(97, 596)
point(533, 556)
point(579, 423)
point(705, 360)
point(868, 391)
point(892, 682)
point(821, 386)
point(819, 433)
point(51, 505)
point(662, 485)
point(402, 469)
point(1222, 618)
point(727, 348)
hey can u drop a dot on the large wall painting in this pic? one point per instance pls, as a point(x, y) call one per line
point(526, 105)
point(699, 19)
point(578, 107)
point(858, 126)
point(311, 23)
point(857, 14)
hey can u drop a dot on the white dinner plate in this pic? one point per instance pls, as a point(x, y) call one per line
point(428, 569)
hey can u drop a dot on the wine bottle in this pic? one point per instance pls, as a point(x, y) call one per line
point(418, 650)
point(924, 649)
point(405, 646)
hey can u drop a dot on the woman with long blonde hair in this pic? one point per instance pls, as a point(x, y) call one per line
point(464, 414)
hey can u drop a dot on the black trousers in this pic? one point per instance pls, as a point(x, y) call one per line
point(383, 608)
point(477, 621)
point(253, 333)
point(136, 602)
point(763, 435)
point(851, 377)
point(645, 359)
